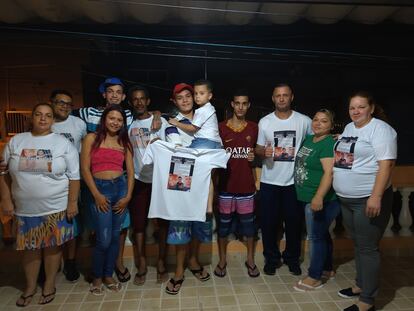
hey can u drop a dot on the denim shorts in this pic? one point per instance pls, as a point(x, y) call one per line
point(204, 143)
point(181, 232)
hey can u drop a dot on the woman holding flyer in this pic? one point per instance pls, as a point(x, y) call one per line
point(40, 187)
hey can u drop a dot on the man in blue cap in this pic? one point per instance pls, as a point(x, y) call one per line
point(113, 91)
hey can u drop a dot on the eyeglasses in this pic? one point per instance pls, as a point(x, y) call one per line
point(62, 103)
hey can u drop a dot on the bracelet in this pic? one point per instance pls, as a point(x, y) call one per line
point(4, 173)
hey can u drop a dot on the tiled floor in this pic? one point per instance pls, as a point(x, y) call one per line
point(234, 292)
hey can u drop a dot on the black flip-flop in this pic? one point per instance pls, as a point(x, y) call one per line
point(222, 270)
point(251, 269)
point(198, 274)
point(174, 283)
point(21, 305)
point(123, 277)
point(44, 297)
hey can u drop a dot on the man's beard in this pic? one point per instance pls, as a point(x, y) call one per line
point(283, 109)
point(139, 113)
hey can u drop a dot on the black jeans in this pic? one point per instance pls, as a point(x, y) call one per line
point(278, 204)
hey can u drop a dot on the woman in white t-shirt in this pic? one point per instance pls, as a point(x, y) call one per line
point(41, 189)
point(365, 156)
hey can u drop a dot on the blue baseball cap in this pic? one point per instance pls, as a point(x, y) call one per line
point(108, 82)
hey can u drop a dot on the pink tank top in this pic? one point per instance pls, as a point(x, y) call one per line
point(106, 159)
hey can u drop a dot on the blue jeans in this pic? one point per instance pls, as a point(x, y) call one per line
point(107, 227)
point(321, 246)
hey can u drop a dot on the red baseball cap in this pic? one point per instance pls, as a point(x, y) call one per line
point(181, 87)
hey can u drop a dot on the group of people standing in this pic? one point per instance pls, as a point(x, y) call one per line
point(313, 177)
point(306, 171)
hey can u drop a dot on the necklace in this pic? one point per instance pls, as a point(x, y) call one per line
point(237, 129)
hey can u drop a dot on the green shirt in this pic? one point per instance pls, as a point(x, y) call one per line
point(309, 170)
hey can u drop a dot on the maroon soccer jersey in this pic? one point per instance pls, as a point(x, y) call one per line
point(238, 178)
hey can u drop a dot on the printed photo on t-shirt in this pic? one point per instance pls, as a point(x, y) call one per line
point(35, 160)
point(344, 152)
point(284, 145)
point(68, 136)
point(181, 173)
point(140, 137)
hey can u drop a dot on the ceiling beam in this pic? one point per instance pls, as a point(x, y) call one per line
point(401, 3)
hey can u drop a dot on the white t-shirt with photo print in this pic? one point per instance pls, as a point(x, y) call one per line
point(285, 136)
point(357, 153)
point(181, 180)
point(73, 128)
point(141, 135)
point(40, 168)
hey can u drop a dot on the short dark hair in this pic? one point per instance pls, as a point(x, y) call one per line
point(241, 92)
point(207, 83)
point(283, 84)
point(136, 88)
point(59, 91)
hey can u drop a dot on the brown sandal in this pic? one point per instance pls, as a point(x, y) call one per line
point(25, 298)
point(139, 278)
